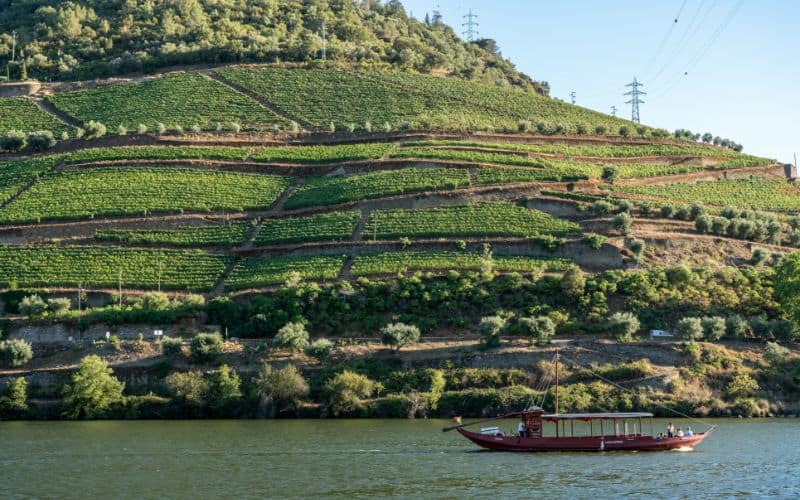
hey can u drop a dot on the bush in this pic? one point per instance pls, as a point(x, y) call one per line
point(398, 335)
point(645, 208)
point(279, 390)
point(737, 327)
point(600, 130)
point(610, 173)
point(719, 225)
point(775, 354)
point(171, 346)
point(292, 336)
point(713, 328)
point(92, 389)
point(624, 206)
point(32, 306)
point(141, 129)
point(15, 352)
point(155, 301)
point(41, 140)
point(624, 131)
point(690, 329)
point(741, 386)
point(95, 130)
point(637, 246)
point(539, 329)
point(320, 349)
point(758, 257)
point(345, 392)
point(573, 282)
point(679, 274)
point(13, 140)
point(490, 329)
point(15, 397)
point(602, 207)
point(206, 347)
point(622, 223)
point(703, 224)
point(667, 211)
point(623, 326)
point(225, 389)
point(594, 240)
point(190, 387)
point(581, 129)
point(59, 305)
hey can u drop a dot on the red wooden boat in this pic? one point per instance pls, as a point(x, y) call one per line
point(596, 432)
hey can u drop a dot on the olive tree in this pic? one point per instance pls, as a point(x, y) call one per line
point(398, 335)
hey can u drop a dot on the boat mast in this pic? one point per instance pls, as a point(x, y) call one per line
point(556, 384)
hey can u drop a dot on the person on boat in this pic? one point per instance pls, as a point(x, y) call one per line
point(689, 432)
point(660, 436)
point(680, 432)
point(521, 429)
point(670, 430)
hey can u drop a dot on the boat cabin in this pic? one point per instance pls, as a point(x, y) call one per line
point(589, 424)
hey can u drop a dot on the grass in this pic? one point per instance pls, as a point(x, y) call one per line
point(485, 219)
point(139, 191)
point(220, 235)
point(101, 267)
point(264, 271)
point(336, 226)
point(342, 189)
point(756, 193)
point(396, 262)
point(185, 100)
point(24, 115)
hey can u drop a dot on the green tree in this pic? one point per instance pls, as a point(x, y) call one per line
point(490, 329)
point(623, 326)
point(206, 347)
point(573, 282)
point(399, 335)
point(787, 286)
point(15, 398)
point(610, 173)
point(539, 329)
point(58, 306)
point(32, 306)
point(742, 385)
point(775, 353)
point(15, 352)
point(190, 387)
point(280, 390)
point(622, 223)
point(320, 349)
point(155, 301)
point(292, 336)
point(346, 392)
point(225, 389)
point(713, 328)
point(92, 389)
point(690, 329)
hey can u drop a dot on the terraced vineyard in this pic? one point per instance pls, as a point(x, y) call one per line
point(157, 153)
point(140, 191)
point(321, 154)
point(396, 262)
point(336, 226)
point(757, 193)
point(185, 100)
point(342, 189)
point(265, 271)
point(101, 267)
point(25, 116)
point(16, 175)
point(219, 235)
point(485, 219)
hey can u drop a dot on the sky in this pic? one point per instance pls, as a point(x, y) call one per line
point(729, 67)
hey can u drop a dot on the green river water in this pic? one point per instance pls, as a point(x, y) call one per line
point(374, 458)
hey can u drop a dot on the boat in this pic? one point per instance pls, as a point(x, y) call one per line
point(540, 431)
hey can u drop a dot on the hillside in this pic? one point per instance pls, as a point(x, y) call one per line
point(245, 198)
point(85, 40)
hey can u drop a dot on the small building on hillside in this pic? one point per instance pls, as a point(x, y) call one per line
point(660, 334)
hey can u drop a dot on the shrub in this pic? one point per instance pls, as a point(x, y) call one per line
point(737, 327)
point(602, 207)
point(122, 130)
point(41, 140)
point(95, 130)
point(15, 352)
point(387, 127)
point(320, 349)
point(539, 329)
point(171, 346)
point(594, 240)
point(741, 385)
point(713, 328)
point(345, 392)
point(523, 126)
point(13, 140)
point(581, 129)
point(190, 387)
point(398, 335)
point(775, 354)
point(59, 305)
point(679, 274)
point(667, 211)
point(235, 127)
point(600, 130)
point(690, 329)
point(206, 347)
point(703, 224)
point(225, 388)
point(573, 282)
point(161, 128)
point(15, 396)
point(141, 129)
point(282, 389)
point(368, 126)
point(622, 223)
point(610, 173)
point(292, 336)
point(32, 306)
point(637, 246)
point(155, 301)
point(623, 326)
point(682, 213)
point(696, 210)
point(92, 389)
point(645, 208)
point(624, 131)
point(624, 206)
point(758, 257)
point(490, 329)
point(719, 225)
point(641, 131)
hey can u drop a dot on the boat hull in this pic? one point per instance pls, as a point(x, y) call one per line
point(583, 443)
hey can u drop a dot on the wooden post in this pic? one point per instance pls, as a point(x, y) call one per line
point(572, 427)
point(602, 432)
point(556, 386)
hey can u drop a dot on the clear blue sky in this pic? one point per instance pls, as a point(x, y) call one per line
point(743, 83)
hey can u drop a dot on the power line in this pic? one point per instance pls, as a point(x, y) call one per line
point(613, 111)
point(471, 25)
point(635, 101)
point(666, 38)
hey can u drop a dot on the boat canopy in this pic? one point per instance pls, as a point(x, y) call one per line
point(593, 416)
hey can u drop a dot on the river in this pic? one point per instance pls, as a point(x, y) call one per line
point(373, 458)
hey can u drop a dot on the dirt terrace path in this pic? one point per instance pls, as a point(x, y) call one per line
point(61, 116)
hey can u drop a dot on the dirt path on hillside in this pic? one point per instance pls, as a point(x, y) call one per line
point(56, 113)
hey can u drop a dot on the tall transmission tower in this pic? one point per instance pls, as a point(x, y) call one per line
point(613, 111)
point(635, 93)
point(471, 25)
point(572, 96)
